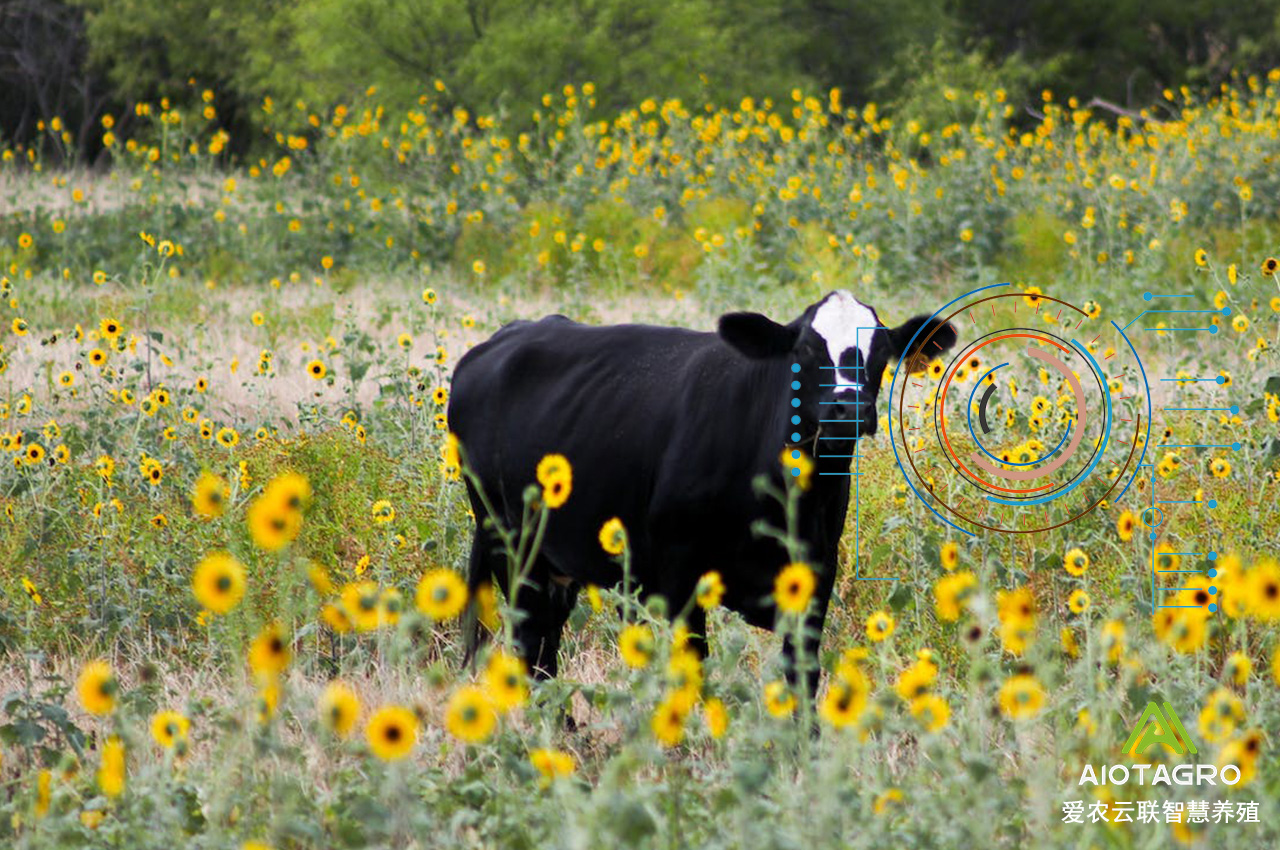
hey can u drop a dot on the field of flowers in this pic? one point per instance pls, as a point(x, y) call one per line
point(234, 529)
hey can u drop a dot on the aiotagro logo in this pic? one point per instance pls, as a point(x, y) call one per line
point(1159, 725)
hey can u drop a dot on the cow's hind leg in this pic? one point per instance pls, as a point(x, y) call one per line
point(544, 606)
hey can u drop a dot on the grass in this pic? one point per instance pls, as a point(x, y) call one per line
point(101, 566)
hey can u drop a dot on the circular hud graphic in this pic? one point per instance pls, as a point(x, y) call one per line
point(1038, 414)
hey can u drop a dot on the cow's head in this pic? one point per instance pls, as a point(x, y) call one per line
point(842, 350)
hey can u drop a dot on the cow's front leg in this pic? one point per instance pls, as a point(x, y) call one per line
point(802, 665)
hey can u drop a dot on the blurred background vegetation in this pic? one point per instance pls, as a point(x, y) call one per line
point(81, 59)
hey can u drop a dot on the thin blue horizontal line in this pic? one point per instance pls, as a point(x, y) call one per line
point(1197, 408)
point(894, 578)
point(1179, 329)
point(1195, 446)
point(1181, 606)
point(1183, 553)
point(1178, 501)
point(1188, 380)
point(1180, 571)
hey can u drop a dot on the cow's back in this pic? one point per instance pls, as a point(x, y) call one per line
point(650, 418)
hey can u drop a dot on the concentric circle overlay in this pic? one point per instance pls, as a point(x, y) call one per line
point(1037, 416)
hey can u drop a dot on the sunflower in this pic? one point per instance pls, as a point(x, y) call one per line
point(1032, 295)
point(486, 602)
point(209, 497)
point(1113, 640)
point(931, 711)
point(949, 554)
point(336, 618)
point(613, 536)
point(1222, 714)
point(110, 329)
point(669, 718)
point(951, 593)
point(684, 669)
point(890, 798)
point(506, 681)
point(1092, 309)
point(1070, 645)
point(96, 687)
point(551, 764)
point(470, 716)
point(34, 454)
point(111, 773)
point(271, 524)
point(797, 466)
point(440, 396)
point(635, 645)
point(442, 595)
point(779, 699)
point(1078, 601)
point(1263, 590)
point(555, 474)
point(935, 369)
point(218, 582)
point(916, 680)
point(383, 512)
point(880, 625)
point(1021, 697)
point(1243, 753)
point(317, 370)
point(169, 728)
point(1076, 562)
point(793, 588)
point(1237, 668)
point(391, 732)
point(846, 696)
point(339, 709)
point(709, 591)
point(269, 654)
point(362, 603)
point(1270, 265)
point(1125, 525)
point(1220, 467)
point(716, 716)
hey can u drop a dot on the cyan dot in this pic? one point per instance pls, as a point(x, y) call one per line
point(795, 402)
point(795, 385)
point(1212, 503)
point(1146, 296)
point(1235, 408)
point(795, 472)
point(1235, 446)
point(795, 367)
point(795, 420)
point(1213, 573)
point(1212, 556)
point(1221, 379)
point(795, 453)
point(1213, 607)
point(1226, 311)
point(1213, 590)
point(1213, 329)
point(795, 436)
point(1152, 535)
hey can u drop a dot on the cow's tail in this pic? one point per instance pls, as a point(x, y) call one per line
point(475, 634)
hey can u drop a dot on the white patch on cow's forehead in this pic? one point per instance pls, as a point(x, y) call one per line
point(844, 322)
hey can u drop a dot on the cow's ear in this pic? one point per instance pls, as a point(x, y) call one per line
point(756, 335)
point(912, 334)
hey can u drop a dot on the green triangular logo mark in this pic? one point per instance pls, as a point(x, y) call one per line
point(1156, 727)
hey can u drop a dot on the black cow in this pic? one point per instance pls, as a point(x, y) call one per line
point(666, 428)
